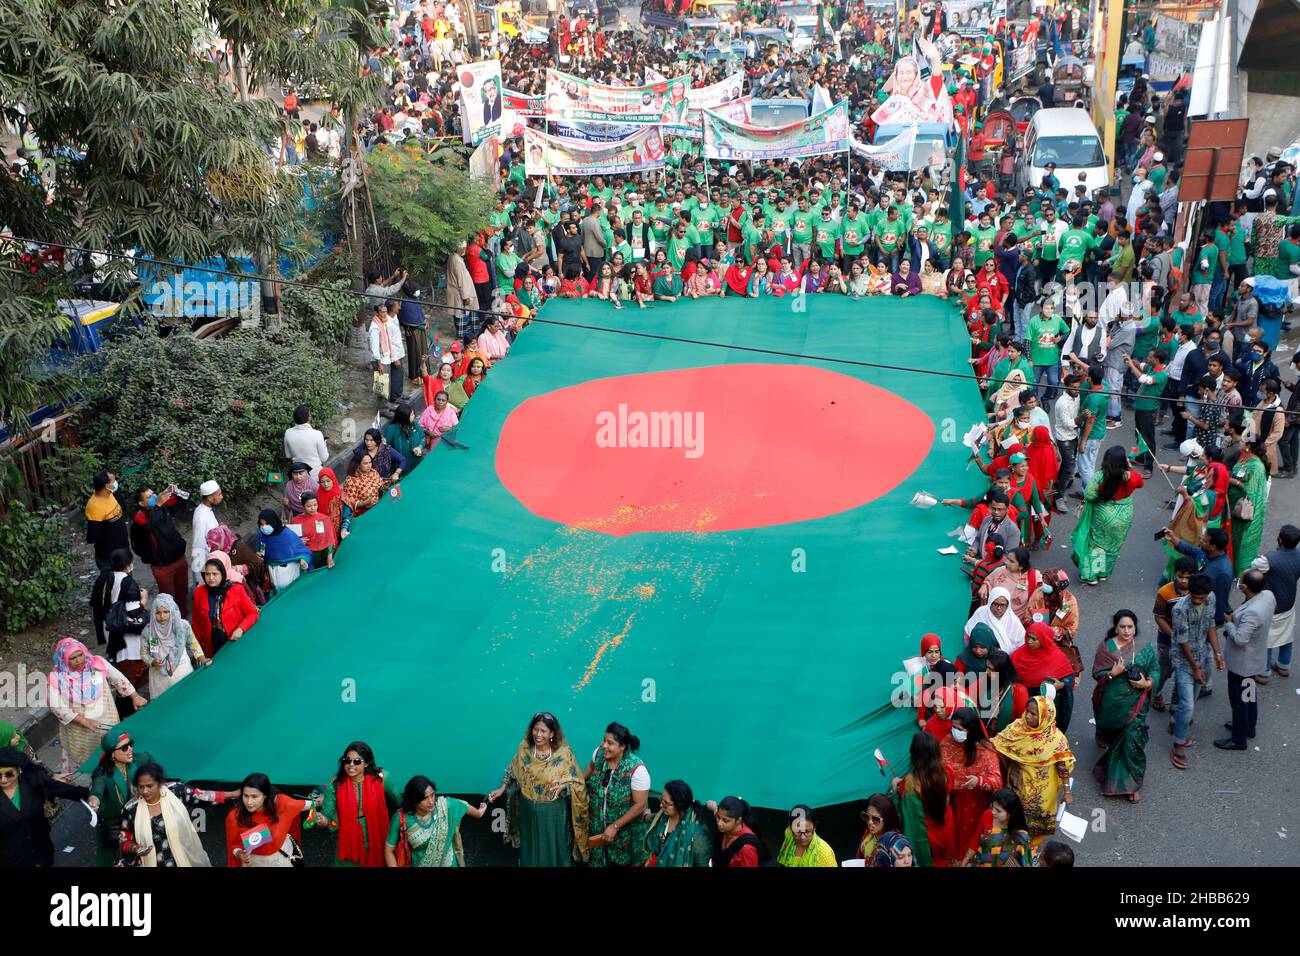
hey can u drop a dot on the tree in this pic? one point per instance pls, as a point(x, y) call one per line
point(426, 202)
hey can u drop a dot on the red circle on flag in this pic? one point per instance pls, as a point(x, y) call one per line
point(709, 449)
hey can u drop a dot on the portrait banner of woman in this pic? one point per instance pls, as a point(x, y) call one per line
point(914, 98)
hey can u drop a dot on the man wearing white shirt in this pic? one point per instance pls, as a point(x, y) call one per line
point(304, 443)
point(1065, 431)
point(205, 519)
point(387, 349)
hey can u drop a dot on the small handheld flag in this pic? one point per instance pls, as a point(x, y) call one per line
point(274, 478)
point(255, 838)
point(1142, 448)
point(886, 770)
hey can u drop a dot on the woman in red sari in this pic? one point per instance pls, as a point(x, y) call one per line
point(1044, 465)
point(736, 281)
point(356, 803)
point(973, 764)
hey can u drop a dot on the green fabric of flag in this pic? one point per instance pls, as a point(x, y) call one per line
point(758, 662)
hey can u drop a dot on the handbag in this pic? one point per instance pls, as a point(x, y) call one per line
point(121, 618)
point(380, 386)
point(403, 849)
point(1244, 509)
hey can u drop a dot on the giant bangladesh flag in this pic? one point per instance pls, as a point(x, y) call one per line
point(711, 545)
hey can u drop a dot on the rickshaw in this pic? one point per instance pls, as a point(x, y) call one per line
point(1023, 109)
point(1070, 82)
point(1000, 138)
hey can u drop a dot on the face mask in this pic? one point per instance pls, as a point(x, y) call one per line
point(1047, 588)
point(114, 488)
point(959, 735)
point(265, 529)
point(153, 500)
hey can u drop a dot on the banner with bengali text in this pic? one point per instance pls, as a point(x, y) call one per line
point(572, 98)
point(481, 102)
point(827, 132)
point(550, 155)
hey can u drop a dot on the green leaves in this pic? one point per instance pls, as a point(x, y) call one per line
point(428, 202)
point(196, 410)
point(36, 568)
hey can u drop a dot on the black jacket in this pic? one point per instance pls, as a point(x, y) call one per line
point(24, 831)
point(107, 536)
point(154, 537)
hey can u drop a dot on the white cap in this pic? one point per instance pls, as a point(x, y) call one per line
point(1158, 157)
point(1191, 449)
point(209, 487)
point(1150, 119)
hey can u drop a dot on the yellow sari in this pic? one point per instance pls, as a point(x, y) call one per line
point(1039, 762)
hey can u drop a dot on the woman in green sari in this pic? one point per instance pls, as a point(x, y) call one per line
point(111, 783)
point(426, 830)
point(1106, 518)
point(1248, 500)
point(618, 787)
point(406, 437)
point(1121, 706)
point(682, 833)
point(546, 813)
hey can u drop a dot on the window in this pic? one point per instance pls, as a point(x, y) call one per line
point(1069, 152)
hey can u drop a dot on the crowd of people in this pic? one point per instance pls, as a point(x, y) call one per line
point(1074, 311)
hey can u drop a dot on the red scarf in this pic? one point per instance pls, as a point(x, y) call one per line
point(1042, 459)
point(352, 846)
point(323, 497)
point(1049, 661)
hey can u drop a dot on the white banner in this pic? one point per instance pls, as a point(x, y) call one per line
point(481, 102)
point(900, 153)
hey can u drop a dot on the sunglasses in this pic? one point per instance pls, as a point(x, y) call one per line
point(6, 774)
point(353, 761)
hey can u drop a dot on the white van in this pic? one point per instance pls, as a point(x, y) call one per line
point(1064, 136)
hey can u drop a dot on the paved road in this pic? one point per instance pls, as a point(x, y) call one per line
point(1227, 809)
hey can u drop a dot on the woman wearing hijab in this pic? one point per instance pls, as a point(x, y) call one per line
point(924, 799)
point(283, 550)
point(263, 810)
point(996, 613)
point(359, 494)
point(112, 784)
point(1037, 764)
point(328, 488)
point(357, 802)
point(24, 827)
point(894, 850)
point(973, 765)
point(157, 830)
point(300, 481)
point(79, 696)
point(1121, 705)
point(932, 663)
point(974, 660)
point(167, 644)
point(1041, 662)
point(1053, 604)
point(1044, 464)
point(1107, 516)
point(1015, 576)
point(682, 833)
point(405, 437)
point(223, 610)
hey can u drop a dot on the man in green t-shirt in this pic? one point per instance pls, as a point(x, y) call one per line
point(854, 231)
point(683, 238)
point(803, 224)
point(1045, 334)
point(826, 236)
point(1076, 243)
point(890, 236)
point(984, 235)
point(1152, 379)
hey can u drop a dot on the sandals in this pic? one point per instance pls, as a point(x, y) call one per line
point(1159, 702)
point(1135, 797)
point(1178, 760)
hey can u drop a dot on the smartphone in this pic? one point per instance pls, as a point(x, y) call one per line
point(1160, 535)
